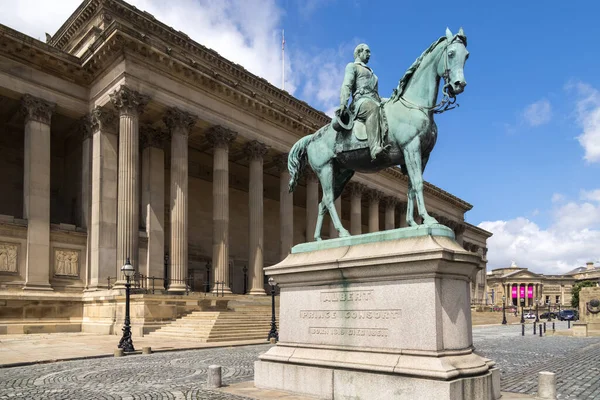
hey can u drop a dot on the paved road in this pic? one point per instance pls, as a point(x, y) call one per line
point(576, 361)
point(182, 375)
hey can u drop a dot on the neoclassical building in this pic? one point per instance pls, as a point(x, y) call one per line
point(123, 138)
point(516, 283)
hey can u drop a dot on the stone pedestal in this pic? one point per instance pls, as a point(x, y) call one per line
point(589, 313)
point(377, 316)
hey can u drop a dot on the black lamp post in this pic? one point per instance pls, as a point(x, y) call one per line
point(522, 313)
point(503, 310)
point(126, 344)
point(273, 332)
point(537, 310)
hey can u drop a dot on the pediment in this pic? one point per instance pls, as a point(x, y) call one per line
point(522, 275)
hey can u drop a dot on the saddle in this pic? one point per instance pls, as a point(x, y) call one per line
point(351, 133)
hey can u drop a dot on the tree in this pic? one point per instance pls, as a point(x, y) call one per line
point(576, 289)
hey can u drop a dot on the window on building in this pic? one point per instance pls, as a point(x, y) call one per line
point(557, 299)
point(547, 299)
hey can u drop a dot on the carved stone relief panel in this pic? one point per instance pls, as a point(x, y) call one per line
point(66, 262)
point(8, 257)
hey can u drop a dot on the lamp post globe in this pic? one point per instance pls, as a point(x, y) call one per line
point(273, 334)
point(126, 343)
point(503, 310)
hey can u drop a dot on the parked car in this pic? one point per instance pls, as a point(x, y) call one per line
point(552, 315)
point(568, 315)
point(529, 315)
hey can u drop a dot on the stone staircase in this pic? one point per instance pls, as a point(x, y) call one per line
point(239, 320)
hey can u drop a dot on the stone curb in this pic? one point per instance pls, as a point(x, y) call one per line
point(137, 352)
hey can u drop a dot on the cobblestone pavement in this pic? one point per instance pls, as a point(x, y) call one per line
point(576, 361)
point(182, 374)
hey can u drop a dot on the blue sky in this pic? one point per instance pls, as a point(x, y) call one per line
point(524, 146)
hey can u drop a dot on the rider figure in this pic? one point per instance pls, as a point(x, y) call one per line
point(361, 83)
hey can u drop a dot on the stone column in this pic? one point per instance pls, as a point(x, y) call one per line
point(333, 233)
point(180, 124)
point(255, 152)
point(356, 191)
point(374, 196)
point(286, 208)
point(36, 191)
point(312, 203)
point(103, 254)
point(220, 138)
point(390, 209)
point(129, 104)
point(402, 214)
point(153, 199)
point(86, 190)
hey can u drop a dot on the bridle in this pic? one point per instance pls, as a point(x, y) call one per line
point(448, 101)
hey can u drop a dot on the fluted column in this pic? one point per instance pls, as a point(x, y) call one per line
point(129, 104)
point(356, 192)
point(333, 233)
point(103, 254)
point(312, 204)
point(36, 191)
point(255, 152)
point(85, 212)
point(390, 212)
point(179, 123)
point(374, 196)
point(220, 138)
point(153, 198)
point(286, 208)
point(402, 214)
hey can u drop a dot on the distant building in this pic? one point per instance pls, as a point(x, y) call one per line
point(515, 283)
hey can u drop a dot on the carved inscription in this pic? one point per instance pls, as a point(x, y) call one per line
point(8, 257)
point(373, 332)
point(350, 315)
point(359, 296)
point(66, 262)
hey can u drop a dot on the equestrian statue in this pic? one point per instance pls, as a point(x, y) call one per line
point(372, 133)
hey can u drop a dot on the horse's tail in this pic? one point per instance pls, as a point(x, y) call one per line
point(297, 160)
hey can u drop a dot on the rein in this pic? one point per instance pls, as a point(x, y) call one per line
point(448, 100)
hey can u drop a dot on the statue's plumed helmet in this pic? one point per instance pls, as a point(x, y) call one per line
point(359, 48)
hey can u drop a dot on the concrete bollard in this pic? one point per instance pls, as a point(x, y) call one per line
point(544, 327)
point(522, 329)
point(540, 331)
point(569, 324)
point(534, 325)
point(546, 385)
point(553, 327)
point(213, 379)
point(118, 352)
point(146, 350)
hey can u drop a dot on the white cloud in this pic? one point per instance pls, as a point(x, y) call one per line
point(569, 242)
point(588, 117)
point(538, 113)
point(558, 197)
point(247, 32)
point(593, 195)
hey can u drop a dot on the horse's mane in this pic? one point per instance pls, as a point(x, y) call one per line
point(399, 90)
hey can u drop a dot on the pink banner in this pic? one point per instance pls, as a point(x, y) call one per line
point(522, 291)
point(514, 292)
point(530, 292)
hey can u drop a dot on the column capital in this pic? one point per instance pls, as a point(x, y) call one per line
point(281, 162)
point(178, 119)
point(390, 201)
point(460, 228)
point(374, 195)
point(255, 150)
point(128, 101)
point(84, 127)
point(103, 119)
point(220, 137)
point(152, 137)
point(36, 109)
point(356, 189)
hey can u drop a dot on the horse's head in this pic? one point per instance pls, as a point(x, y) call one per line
point(452, 62)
